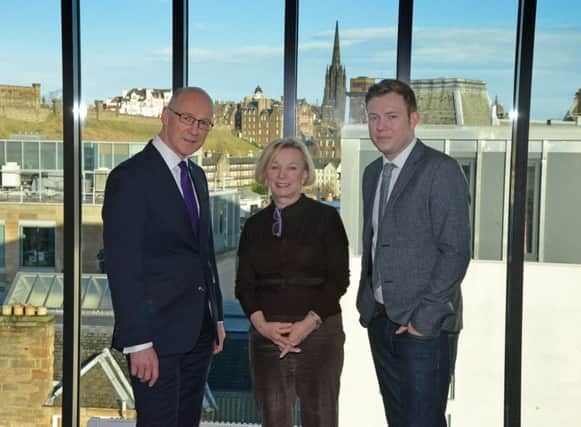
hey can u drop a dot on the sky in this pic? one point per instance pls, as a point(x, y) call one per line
point(236, 45)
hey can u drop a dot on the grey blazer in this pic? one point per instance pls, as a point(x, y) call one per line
point(424, 246)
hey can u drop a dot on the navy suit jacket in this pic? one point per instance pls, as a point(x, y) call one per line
point(161, 275)
point(423, 250)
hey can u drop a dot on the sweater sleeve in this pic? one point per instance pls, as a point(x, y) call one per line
point(336, 260)
point(245, 289)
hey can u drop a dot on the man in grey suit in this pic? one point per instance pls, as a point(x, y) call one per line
point(416, 249)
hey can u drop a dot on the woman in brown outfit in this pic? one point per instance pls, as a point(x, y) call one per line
point(292, 270)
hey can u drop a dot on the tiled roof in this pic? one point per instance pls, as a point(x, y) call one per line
point(243, 160)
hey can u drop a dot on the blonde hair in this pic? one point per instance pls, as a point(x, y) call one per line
point(273, 149)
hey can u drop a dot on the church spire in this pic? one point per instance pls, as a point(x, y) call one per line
point(335, 86)
point(336, 60)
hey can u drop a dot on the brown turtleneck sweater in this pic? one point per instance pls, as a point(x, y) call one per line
point(307, 268)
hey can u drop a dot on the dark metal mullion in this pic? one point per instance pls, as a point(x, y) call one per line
point(516, 214)
point(404, 40)
point(180, 44)
point(291, 47)
point(71, 59)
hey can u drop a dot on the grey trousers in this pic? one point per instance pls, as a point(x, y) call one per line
point(312, 376)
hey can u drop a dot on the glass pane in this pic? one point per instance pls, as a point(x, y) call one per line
point(89, 156)
point(125, 82)
point(59, 156)
point(463, 74)
point(120, 153)
point(30, 155)
point(41, 290)
point(2, 252)
point(462, 59)
point(344, 48)
point(38, 248)
point(105, 155)
point(244, 76)
point(30, 87)
point(55, 297)
point(14, 152)
point(48, 155)
point(551, 374)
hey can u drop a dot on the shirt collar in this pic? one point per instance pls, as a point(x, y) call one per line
point(401, 158)
point(169, 156)
point(291, 209)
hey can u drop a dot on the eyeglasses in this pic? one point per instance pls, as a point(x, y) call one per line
point(190, 120)
point(277, 226)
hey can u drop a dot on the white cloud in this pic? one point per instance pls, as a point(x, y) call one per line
point(357, 34)
point(236, 55)
point(463, 46)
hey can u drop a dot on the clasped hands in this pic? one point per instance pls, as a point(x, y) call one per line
point(285, 335)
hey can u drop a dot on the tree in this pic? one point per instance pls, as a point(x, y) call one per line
point(259, 188)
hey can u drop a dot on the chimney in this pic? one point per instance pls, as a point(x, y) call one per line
point(26, 369)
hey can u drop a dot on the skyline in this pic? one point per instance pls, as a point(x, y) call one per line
point(231, 55)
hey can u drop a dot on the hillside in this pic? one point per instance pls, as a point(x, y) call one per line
point(113, 127)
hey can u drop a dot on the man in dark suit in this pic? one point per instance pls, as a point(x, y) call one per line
point(416, 249)
point(161, 265)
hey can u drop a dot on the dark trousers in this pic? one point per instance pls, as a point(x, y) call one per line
point(413, 374)
point(312, 375)
point(176, 398)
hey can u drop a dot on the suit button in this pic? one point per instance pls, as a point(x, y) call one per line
point(201, 288)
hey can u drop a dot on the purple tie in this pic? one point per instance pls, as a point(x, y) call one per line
point(189, 197)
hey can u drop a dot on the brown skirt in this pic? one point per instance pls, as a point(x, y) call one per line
point(312, 376)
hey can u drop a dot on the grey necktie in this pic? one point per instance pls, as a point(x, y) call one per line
point(383, 193)
point(384, 190)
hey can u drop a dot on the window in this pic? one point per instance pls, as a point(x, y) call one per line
point(14, 152)
point(126, 76)
point(532, 210)
point(551, 390)
point(31, 90)
point(463, 76)
point(30, 155)
point(2, 246)
point(48, 155)
point(37, 245)
point(468, 166)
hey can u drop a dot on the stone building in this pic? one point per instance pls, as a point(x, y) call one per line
point(26, 369)
point(225, 114)
point(241, 172)
point(216, 167)
point(31, 235)
point(261, 118)
point(21, 102)
point(574, 112)
point(328, 177)
point(113, 103)
point(441, 101)
point(327, 139)
point(358, 88)
point(306, 117)
point(224, 171)
point(144, 102)
point(453, 101)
